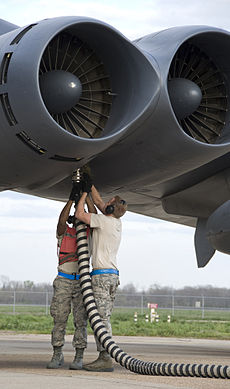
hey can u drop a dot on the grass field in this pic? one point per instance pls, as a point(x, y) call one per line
point(184, 324)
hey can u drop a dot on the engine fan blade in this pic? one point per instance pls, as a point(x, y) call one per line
point(202, 121)
point(75, 86)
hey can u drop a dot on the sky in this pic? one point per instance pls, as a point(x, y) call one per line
point(152, 251)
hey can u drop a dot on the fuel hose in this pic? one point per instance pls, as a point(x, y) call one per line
point(125, 360)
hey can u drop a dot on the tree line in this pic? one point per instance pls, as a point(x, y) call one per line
point(208, 290)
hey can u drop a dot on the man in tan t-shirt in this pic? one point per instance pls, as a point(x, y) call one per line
point(105, 275)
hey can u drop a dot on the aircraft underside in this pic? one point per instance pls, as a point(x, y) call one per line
point(148, 119)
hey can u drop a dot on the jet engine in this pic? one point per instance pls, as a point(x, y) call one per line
point(67, 92)
point(189, 127)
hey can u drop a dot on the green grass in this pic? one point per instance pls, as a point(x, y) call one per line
point(215, 327)
point(123, 313)
point(177, 328)
point(30, 309)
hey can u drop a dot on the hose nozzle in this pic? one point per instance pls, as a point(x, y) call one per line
point(76, 176)
point(77, 184)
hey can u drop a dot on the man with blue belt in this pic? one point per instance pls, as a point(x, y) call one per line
point(67, 291)
point(105, 275)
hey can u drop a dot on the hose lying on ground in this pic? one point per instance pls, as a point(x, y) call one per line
point(125, 360)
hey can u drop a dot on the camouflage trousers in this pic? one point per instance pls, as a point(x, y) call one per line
point(104, 289)
point(67, 294)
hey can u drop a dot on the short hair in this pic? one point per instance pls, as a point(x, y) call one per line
point(120, 207)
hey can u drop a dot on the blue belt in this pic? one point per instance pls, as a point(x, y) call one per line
point(69, 276)
point(104, 271)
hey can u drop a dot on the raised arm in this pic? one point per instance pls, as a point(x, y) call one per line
point(90, 205)
point(97, 199)
point(80, 213)
point(61, 226)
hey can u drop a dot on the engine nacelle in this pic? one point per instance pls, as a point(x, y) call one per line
point(190, 125)
point(67, 92)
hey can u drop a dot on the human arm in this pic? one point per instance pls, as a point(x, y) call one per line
point(97, 199)
point(80, 213)
point(61, 226)
point(90, 205)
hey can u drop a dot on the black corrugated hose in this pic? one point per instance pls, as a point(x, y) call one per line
point(125, 360)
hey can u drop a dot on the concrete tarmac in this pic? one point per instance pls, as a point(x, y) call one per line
point(23, 360)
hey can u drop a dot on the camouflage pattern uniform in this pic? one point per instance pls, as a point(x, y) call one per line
point(106, 241)
point(104, 289)
point(66, 293)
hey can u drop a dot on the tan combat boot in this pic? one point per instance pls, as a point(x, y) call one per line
point(102, 363)
point(57, 359)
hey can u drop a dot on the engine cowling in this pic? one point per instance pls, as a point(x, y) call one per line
point(186, 129)
point(66, 88)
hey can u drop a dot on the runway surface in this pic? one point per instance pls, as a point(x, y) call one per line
point(23, 360)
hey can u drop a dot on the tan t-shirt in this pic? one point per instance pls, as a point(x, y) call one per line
point(106, 241)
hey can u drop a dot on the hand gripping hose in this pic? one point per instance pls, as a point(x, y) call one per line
point(125, 360)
